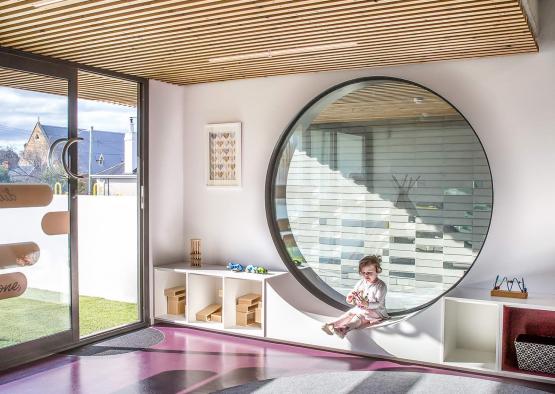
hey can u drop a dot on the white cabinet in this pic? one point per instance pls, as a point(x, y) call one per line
point(479, 330)
point(209, 285)
point(470, 333)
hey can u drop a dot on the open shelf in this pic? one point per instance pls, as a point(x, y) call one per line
point(235, 288)
point(470, 334)
point(518, 320)
point(203, 290)
point(164, 280)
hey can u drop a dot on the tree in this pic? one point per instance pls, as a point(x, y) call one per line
point(7, 154)
point(4, 177)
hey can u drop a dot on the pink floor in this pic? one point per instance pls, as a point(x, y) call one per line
point(191, 360)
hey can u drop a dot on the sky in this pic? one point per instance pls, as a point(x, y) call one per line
point(20, 109)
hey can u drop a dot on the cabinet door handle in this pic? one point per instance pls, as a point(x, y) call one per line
point(70, 142)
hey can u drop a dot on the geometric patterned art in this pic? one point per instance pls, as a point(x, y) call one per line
point(535, 353)
point(224, 154)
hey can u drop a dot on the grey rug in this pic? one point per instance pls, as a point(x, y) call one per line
point(379, 382)
point(136, 340)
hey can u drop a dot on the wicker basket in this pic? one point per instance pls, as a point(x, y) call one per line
point(535, 353)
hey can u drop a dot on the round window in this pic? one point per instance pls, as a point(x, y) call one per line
point(379, 166)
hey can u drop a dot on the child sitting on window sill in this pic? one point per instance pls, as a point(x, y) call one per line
point(368, 296)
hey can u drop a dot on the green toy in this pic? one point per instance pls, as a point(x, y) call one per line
point(261, 270)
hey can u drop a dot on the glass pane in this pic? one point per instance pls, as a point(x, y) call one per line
point(33, 209)
point(383, 167)
point(108, 203)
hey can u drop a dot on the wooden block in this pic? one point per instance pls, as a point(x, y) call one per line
point(509, 294)
point(174, 291)
point(258, 315)
point(216, 316)
point(204, 314)
point(246, 308)
point(244, 318)
point(249, 299)
point(176, 305)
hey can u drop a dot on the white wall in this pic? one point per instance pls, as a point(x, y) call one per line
point(166, 145)
point(510, 102)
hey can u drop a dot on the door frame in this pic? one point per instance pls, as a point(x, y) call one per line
point(41, 347)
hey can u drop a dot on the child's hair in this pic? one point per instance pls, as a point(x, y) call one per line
point(374, 260)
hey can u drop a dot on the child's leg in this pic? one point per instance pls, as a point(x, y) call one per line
point(342, 320)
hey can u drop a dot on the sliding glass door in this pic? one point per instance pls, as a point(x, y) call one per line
point(71, 266)
point(36, 287)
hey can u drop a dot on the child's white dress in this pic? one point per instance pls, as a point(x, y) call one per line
point(375, 294)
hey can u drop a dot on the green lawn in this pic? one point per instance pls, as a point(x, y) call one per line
point(23, 319)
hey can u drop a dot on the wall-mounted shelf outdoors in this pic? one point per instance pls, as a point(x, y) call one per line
point(479, 330)
point(207, 287)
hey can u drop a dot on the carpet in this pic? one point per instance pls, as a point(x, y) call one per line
point(133, 341)
point(379, 382)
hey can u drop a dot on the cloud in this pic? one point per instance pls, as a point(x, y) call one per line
point(21, 109)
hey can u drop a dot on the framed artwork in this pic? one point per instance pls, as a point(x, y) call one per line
point(224, 154)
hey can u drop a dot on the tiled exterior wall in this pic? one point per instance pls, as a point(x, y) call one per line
point(343, 203)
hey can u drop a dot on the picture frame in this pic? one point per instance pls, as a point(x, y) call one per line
point(223, 152)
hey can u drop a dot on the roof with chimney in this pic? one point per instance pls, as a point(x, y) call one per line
point(107, 148)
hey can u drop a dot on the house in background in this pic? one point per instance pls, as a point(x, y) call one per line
point(108, 167)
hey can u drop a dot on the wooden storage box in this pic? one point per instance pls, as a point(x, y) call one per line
point(216, 316)
point(249, 299)
point(247, 308)
point(258, 315)
point(176, 300)
point(205, 314)
point(245, 318)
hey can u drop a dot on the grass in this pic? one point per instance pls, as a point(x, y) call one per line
point(23, 319)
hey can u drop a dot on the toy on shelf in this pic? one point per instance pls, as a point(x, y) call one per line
point(297, 262)
point(235, 267)
point(196, 255)
point(176, 300)
point(247, 307)
point(256, 270)
point(207, 314)
point(522, 291)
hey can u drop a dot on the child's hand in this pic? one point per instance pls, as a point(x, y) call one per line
point(350, 297)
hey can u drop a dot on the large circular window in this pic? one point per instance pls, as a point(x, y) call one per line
point(379, 166)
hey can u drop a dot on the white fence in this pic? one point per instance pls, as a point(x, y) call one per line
point(108, 251)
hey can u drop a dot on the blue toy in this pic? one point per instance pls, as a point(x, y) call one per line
point(251, 268)
point(234, 266)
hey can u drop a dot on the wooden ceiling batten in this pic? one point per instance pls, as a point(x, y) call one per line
point(195, 55)
point(243, 23)
point(172, 40)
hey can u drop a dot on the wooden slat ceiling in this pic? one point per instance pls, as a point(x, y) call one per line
point(183, 42)
point(90, 86)
point(387, 100)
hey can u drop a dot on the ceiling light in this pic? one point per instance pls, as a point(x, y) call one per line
point(282, 52)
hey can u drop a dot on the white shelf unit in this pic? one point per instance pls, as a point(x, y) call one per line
point(202, 289)
point(471, 334)
point(234, 288)
point(164, 280)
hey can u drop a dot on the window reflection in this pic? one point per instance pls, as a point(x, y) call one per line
point(383, 167)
